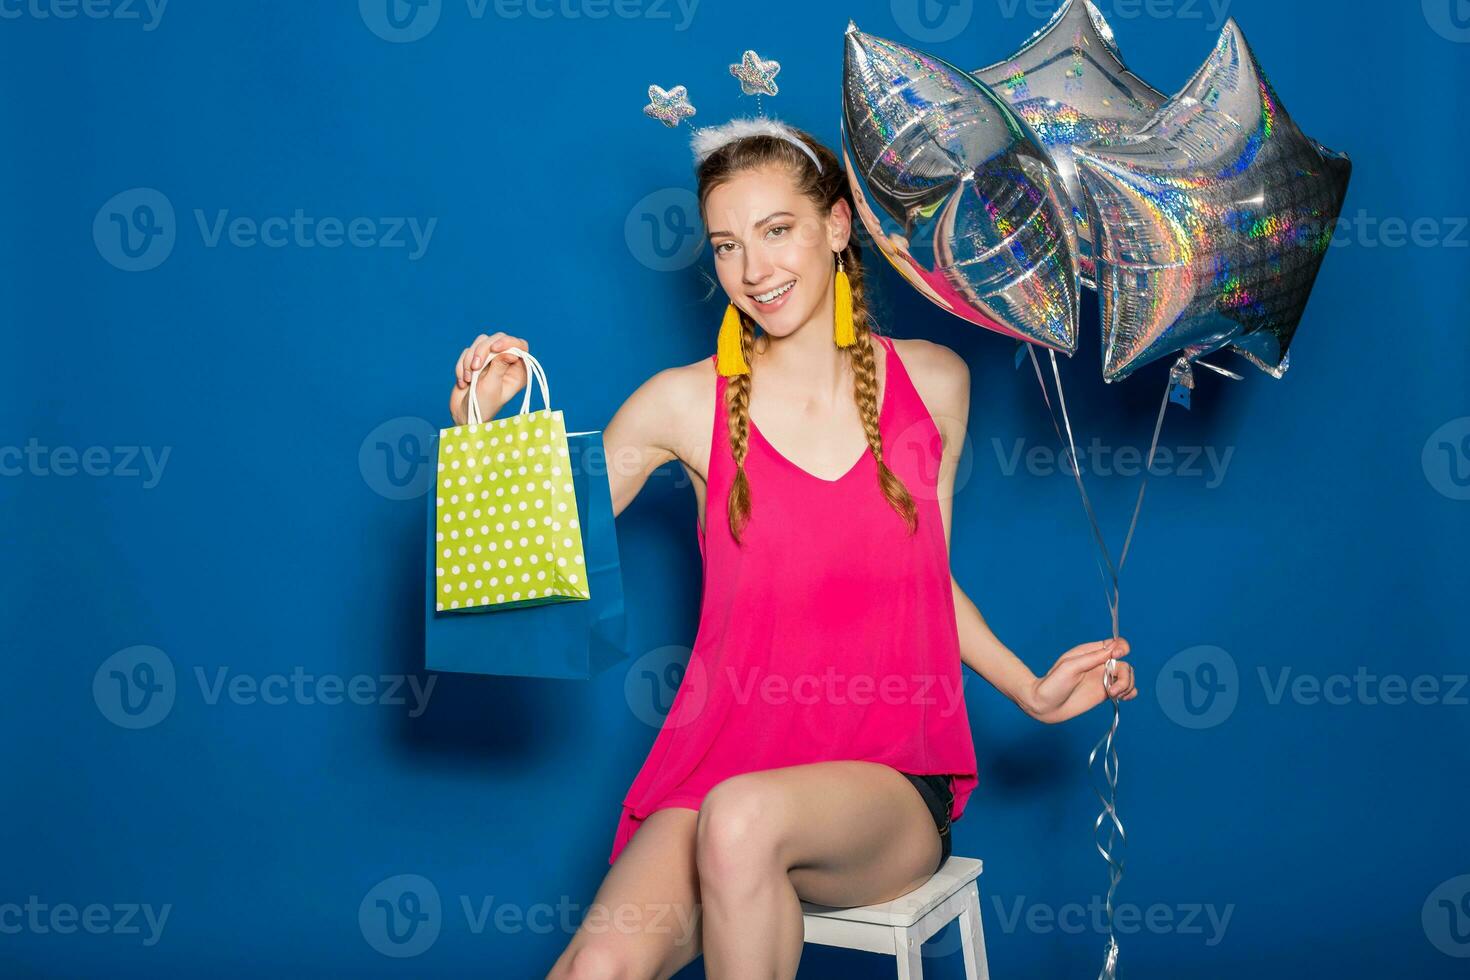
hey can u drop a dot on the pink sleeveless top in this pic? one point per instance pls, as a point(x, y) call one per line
point(828, 634)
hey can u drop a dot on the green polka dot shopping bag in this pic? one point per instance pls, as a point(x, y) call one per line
point(520, 526)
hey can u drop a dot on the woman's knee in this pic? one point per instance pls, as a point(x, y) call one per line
point(737, 832)
point(596, 960)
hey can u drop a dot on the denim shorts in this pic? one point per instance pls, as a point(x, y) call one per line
point(938, 794)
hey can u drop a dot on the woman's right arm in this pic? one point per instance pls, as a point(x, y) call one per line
point(640, 438)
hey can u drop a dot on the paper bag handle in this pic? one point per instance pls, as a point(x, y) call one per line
point(534, 373)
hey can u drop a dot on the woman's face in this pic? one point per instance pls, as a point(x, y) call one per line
point(774, 251)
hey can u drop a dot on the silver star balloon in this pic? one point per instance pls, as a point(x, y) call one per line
point(757, 75)
point(957, 192)
point(1069, 83)
point(668, 107)
point(1212, 221)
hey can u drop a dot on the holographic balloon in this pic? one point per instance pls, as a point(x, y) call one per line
point(957, 193)
point(1212, 220)
point(1069, 83)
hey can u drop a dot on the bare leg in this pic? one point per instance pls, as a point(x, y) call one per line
point(644, 923)
point(837, 833)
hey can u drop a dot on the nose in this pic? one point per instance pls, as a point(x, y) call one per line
point(758, 265)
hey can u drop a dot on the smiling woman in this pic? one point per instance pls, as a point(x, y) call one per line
point(818, 747)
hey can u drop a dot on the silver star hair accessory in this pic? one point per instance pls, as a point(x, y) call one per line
point(757, 76)
point(708, 139)
point(668, 107)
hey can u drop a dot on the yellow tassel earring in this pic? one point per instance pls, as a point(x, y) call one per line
point(843, 331)
point(729, 359)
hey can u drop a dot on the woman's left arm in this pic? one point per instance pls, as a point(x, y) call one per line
point(1076, 682)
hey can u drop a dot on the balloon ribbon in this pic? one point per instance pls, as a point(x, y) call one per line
point(1180, 380)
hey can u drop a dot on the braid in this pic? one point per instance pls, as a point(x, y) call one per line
point(737, 397)
point(865, 391)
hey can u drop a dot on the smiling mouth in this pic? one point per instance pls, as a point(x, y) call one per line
point(775, 296)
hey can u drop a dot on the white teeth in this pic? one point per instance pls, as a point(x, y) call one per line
point(768, 297)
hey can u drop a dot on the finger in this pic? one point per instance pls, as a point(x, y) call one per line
point(1085, 650)
point(1098, 657)
point(461, 375)
point(481, 351)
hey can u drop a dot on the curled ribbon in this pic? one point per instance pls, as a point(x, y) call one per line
point(1179, 377)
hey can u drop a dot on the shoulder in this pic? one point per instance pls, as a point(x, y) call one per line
point(677, 403)
point(941, 377)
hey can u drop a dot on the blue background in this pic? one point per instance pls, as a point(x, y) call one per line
point(291, 386)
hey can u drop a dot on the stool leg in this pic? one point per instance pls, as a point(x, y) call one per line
point(910, 955)
point(972, 937)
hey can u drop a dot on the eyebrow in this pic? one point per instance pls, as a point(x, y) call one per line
point(766, 220)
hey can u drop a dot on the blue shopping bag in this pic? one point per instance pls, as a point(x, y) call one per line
point(560, 639)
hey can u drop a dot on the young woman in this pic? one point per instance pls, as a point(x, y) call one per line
point(818, 747)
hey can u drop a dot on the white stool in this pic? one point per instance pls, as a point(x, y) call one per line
point(899, 928)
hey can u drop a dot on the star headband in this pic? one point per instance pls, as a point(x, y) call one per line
point(757, 77)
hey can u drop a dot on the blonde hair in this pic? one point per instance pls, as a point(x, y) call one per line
point(826, 187)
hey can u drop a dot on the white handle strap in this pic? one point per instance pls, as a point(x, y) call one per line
point(534, 373)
